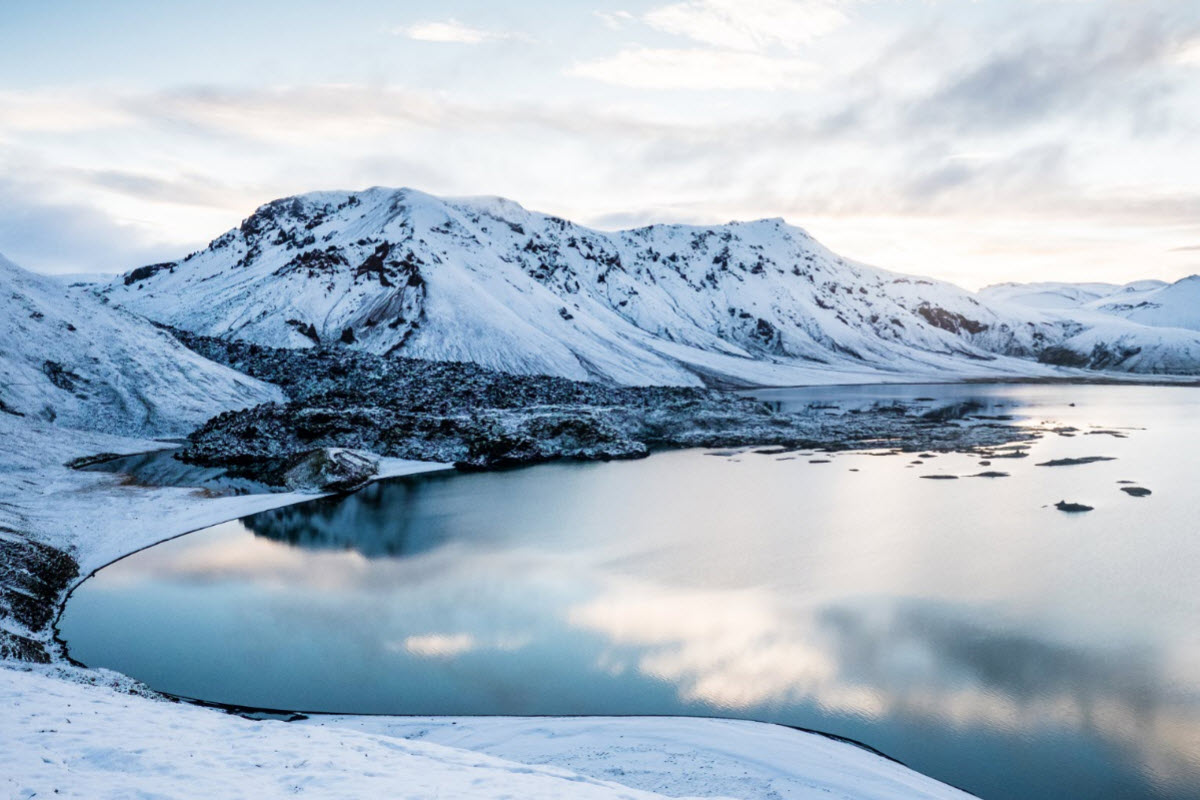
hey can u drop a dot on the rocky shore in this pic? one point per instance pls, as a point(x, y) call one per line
point(481, 419)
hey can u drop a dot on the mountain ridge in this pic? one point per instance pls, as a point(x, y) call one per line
point(483, 279)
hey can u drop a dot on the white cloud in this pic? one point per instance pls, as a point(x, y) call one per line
point(440, 645)
point(614, 20)
point(450, 31)
point(749, 25)
point(697, 68)
point(1189, 54)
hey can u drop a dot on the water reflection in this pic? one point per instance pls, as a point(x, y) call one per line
point(383, 520)
point(964, 627)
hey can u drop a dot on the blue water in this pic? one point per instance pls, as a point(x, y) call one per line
point(963, 626)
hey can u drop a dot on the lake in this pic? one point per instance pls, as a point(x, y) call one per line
point(966, 627)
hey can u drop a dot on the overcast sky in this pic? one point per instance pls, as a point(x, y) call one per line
point(972, 141)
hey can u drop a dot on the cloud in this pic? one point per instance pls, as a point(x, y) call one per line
point(1187, 54)
point(58, 110)
point(439, 645)
point(65, 237)
point(698, 68)
point(614, 20)
point(1108, 66)
point(749, 25)
point(450, 31)
point(996, 119)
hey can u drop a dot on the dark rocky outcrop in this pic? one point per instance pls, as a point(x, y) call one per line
point(32, 577)
point(328, 469)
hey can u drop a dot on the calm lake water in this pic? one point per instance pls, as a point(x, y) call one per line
point(965, 627)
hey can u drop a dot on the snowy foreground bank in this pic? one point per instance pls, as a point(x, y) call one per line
point(68, 739)
point(91, 733)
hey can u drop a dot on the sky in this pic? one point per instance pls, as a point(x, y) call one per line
point(976, 141)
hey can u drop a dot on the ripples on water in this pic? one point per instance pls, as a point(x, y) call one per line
point(965, 627)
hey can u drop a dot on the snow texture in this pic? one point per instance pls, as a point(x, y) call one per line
point(90, 735)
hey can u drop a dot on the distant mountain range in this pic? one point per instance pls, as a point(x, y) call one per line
point(747, 303)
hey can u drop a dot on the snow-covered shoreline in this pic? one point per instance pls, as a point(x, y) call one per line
point(92, 733)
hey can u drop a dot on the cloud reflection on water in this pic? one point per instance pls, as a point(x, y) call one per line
point(899, 657)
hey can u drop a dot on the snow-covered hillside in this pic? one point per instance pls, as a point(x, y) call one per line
point(72, 359)
point(1176, 305)
point(1062, 296)
point(1146, 327)
point(484, 280)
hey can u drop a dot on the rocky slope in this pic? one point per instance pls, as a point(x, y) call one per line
point(396, 271)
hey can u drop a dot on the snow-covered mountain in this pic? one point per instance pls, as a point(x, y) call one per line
point(72, 359)
point(1062, 296)
point(1175, 305)
point(1146, 326)
point(485, 280)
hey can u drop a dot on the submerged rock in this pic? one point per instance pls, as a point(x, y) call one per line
point(1008, 454)
point(1072, 508)
point(1071, 462)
